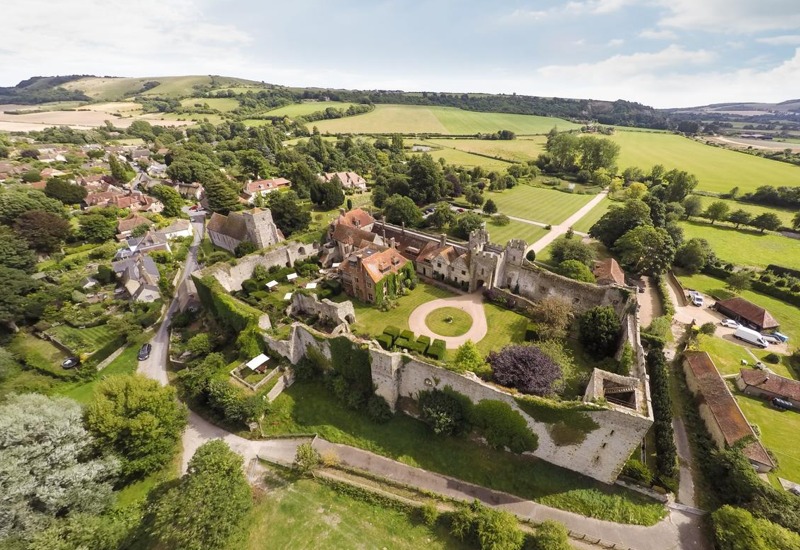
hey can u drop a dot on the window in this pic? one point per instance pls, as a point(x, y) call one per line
point(369, 297)
point(463, 272)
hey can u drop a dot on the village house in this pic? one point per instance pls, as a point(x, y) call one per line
point(262, 188)
point(139, 277)
point(608, 272)
point(718, 408)
point(157, 169)
point(357, 217)
point(136, 201)
point(372, 273)
point(747, 313)
point(177, 230)
point(126, 225)
point(349, 180)
point(149, 242)
point(768, 385)
point(255, 226)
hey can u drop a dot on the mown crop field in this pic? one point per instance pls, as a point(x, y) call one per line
point(224, 104)
point(717, 169)
point(746, 247)
point(468, 160)
point(438, 120)
point(516, 150)
point(300, 109)
point(537, 204)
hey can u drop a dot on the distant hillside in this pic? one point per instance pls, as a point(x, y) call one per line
point(116, 88)
point(42, 89)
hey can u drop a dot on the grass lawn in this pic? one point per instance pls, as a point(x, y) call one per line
point(126, 363)
point(748, 248)
point(593, 215)
point(783, 368)
point(501, 234)
point(727, 356)
point(303, 513)
point(467, 160)
point(787, 315)
point(371, 320)
point(537, 204)
point(778, 432)
point(300, 109)
point(412, 119)
point(83, 340)
point(505, 327)
point(784, 214)
point(255, 122)
point(224, 104)
point(309, 407)
point(515, 150)
point(448, 321)
point(40, 354)
point(717, 169)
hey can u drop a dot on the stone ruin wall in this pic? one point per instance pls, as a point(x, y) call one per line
point(339, 313)
point(601, 455)
point(231, 277)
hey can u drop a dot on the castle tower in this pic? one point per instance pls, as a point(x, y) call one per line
point(261, 230)
point(478, 238)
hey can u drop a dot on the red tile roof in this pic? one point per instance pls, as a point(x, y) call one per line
point(772, 383)
point(716, 395)
point(749, 311)
point(608, 271)
point(356, 217)
point(378, 265)
point(266, 185)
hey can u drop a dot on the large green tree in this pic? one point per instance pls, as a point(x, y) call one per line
point(97, 228)
point(43, 230)
point(576, 270)
point(16, 201)
point(740, 217)
point(398, 209)
point(137, 419)
point(465, 224)
point(767, 221)
point(646, 250)
point(600, 329)
point(207, 505)
point(16, 286)
point(220, 195)
point(694, 255)
point(170, 198)
point(679, 184)
point(717, 210)
point(442, 216)
point(327, 194)
point(426, 180)
point(692, 206)
point(570, 248)
point(120, 170)
point(68, 193)
point(619, 220)
point(287, 213)
point(48, 466)
point(14, 252)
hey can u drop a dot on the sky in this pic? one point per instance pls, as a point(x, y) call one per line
point(664, 53)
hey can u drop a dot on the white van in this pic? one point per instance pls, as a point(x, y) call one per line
point(750, 336)
point(696, 298)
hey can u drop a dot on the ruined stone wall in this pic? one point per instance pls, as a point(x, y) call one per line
point(232, 276)
point(341, 313)
point(600, 455)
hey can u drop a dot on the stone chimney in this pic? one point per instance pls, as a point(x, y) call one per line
point(443, 240)
point(392, 243)
point(403, 229)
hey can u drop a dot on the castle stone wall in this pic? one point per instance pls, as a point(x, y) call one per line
point(338, 313)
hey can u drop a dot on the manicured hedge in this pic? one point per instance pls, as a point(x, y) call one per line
point(437, 349)
point(385, 341)
point(403, 343)
point(394, 332)
point(424, 341)
point(408, 335)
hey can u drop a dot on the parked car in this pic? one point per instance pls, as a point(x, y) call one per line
point(144, 352)
point(781, 404)
point(770, 339)
point(730, 323)
point(795, 490)
point(70, 362)
point(696, 298)
point(750, 336)
point(780, 336)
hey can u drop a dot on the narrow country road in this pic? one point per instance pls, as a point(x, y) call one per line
point(563, 227)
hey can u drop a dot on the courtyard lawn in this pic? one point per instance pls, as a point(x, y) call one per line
point(411, 119)
point(467, 160)
point(784, 214)
point(585, 223)
point(505, 327)
point(301, 109)
point(448, 321)
point(371, 321)
point(501, 234)
point(717, 169)
point(303, 513)
point(516, 150)
point(310, 407)
point(726, 354)
point(778, 432)
point(787, 315)
point(83, 340)
point(746, 247)
point(537, 204)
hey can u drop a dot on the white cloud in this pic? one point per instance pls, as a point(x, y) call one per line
point(783, 40)
point(572, 8)
point(616, 42)
point(736, 16)
point(658, 34)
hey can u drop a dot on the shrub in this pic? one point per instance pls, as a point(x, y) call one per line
point(429, 514)
point(378, 409)
point(532, 332)
point(503, 427)
point(445, 411)
point(634, 469)
point(403, 343)
point(307, 459)
point(437, 349)
point(773, 358)
point(526, 368)
point(737, 529)
point(424, 341)
point(408, 335)
point(384, 340)
point(708, 328)
point(599, 331)
point(468, 358)
point(394, 332)
point(490, 529)
point(550, 535)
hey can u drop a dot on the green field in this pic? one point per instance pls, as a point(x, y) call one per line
point(448, 321)
point(516, 150)
point(462, 158)
point(224, 104)
point(500, 234)
point(173, 86)
point(787, 315)
point(754, 209)
point(746, 247)
point(538, 204)
point(717, 169)
point(82, 340)
point(255, 122)
point(726, 354)
point(778, 432)
point(303, 513)
point(311, 408)
point(410, 119)
point(300, 109)
point(586, 222)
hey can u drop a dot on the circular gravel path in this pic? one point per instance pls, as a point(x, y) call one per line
point(471, 304)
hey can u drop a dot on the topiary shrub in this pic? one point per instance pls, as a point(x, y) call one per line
point(437, 349)
point(384, 340)
point(408, 335)
point(394, 332)
point(773, 358)
point(532, 332)
point(403, 343)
